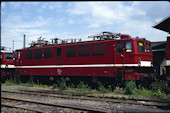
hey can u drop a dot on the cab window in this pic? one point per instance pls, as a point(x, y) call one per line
point(128, 46)
point(141, 47)
point(15, 54)
point(119, 48)
point(18, 55)
point(9, 56)
point(0, 55)
point(148, 47)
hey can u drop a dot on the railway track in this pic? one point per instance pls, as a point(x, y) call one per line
point(18, 107)
point(145, 102)
point(74, 95)
point(81, 108)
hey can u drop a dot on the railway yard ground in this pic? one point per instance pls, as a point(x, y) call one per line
point(24, 99)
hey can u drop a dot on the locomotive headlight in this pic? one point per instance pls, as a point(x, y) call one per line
point(139, 61)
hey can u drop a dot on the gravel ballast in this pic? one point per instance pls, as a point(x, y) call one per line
point(108, 106)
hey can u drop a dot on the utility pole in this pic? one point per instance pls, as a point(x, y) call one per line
point(24, 41)
point(13, 46)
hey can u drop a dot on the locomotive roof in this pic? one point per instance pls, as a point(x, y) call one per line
point(85, 42)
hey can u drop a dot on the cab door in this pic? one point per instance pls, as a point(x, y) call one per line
point(18, 61)
point(119, 60)
point(124, 57)
point(127, 53)
point(119, 54)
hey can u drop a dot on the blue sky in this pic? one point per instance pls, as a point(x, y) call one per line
point(80, 19)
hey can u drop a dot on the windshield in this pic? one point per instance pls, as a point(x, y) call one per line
point(141, 47)
point(128, 47)
point(15, 54)
point(9, 56)
point(148, 47)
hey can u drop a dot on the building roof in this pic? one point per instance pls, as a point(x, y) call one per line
point(158, 46)
point(163, 25)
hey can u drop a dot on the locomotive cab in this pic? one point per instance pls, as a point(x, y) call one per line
point(7, 64)
point(7, 60)
point(134, 59)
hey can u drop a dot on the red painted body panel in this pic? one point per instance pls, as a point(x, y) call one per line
point(6, 61)
point(103, 65)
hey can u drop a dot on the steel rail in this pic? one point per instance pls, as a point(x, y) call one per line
point(58, 105)
point(93, 99)
point(161, 100)
point(29, 109)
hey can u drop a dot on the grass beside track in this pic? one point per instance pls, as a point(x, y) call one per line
point(157, 88)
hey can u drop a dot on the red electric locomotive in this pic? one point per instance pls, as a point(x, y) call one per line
point(108, 55)
point(7, 63)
